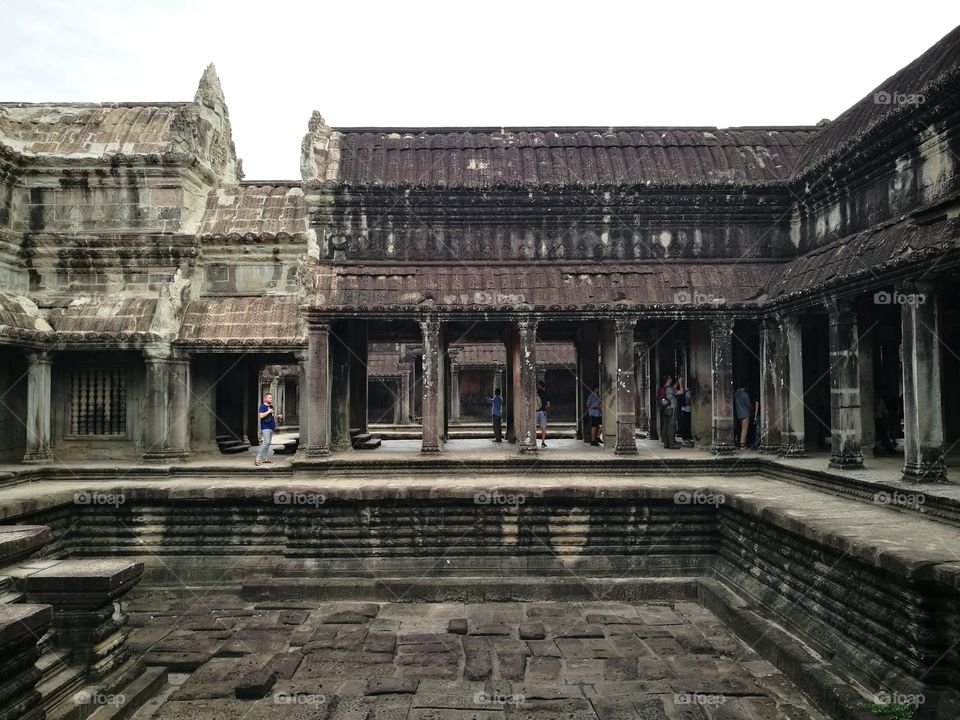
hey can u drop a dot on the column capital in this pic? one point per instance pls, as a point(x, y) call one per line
point(624, 324)
point(39, 357)
point(429, 324)
point(721, 327)
point(838, 306)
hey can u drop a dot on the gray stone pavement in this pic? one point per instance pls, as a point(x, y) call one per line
point(369, 661)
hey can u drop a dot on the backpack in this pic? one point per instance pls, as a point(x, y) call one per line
point(662, 394)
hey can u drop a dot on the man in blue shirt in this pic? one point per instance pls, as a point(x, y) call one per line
point(741, 412)
point(268, 423)
point(543, 407)
point(496, 413)
point(595, 410)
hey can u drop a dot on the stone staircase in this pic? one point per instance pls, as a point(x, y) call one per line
point(360, 440)
point(79, 667)
point(230, 444)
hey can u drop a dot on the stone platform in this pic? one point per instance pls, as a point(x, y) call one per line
point(453, 661)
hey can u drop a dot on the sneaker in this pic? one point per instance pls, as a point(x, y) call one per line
point(596, 443)
point(543, 445)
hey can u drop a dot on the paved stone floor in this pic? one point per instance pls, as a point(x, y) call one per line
point(370, 661)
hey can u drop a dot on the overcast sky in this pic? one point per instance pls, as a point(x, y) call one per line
point(470, 63)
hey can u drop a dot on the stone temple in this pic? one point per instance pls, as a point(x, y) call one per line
point(392, 562)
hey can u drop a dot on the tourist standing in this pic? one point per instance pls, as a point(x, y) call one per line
point(684, 422)
point(595, 410)
point(543, 407)
point(496, 413)
point(742, 407)
point(268, 423)
point(668, 413)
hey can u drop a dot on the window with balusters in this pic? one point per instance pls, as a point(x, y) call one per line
point(98, 401)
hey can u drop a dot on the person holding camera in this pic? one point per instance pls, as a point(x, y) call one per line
point(268, 423)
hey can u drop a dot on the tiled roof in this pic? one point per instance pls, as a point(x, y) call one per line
point(465, 157)
point(251, 321)
point(558, 286)
point(939, 64)
point(16, 322)
point(89, 130)
point(867, 254)
point(120, 318)
point(261, 211)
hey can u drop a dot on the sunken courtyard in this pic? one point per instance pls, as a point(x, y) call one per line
point(773, 533)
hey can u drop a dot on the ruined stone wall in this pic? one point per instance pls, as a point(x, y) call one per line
point(532, 225)
point(909, 170)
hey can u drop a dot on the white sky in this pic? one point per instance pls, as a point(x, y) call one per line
point(485, 63)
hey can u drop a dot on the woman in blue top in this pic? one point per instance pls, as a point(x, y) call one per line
point(496, 414)
point(595, 410)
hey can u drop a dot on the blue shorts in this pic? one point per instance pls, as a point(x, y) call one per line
point(541, 418)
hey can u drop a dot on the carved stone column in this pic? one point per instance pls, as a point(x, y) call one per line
point(922, 407)
point(39, 373)
point(432, 387)
point(792, 442)
point(315, 393)
point(721, 370)
point(641, 354)
point(454, 393)
point(525, 396)
point(166, 434)
point(771, 378)
point(620, 395)
point(845, 426)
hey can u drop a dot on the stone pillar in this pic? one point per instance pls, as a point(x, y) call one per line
point(700, 370)
point(39, 373)
point(619, 395)
point(579, 408)
point(166, 434)
point(589, 371)
point(432, 388)
point(868, 425)
point(315, 393)
point(846, 452)
point(721, 382)
point(792, 441)
point(922, 406)
point(641, 354)
point(358, 375)
point(525, 387)
point(454, 393)
point(405, 404)
point(339, 386)
point(510, 386)
point(771, 372)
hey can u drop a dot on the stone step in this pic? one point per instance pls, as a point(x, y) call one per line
point(135, 695)
point(18, 541)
